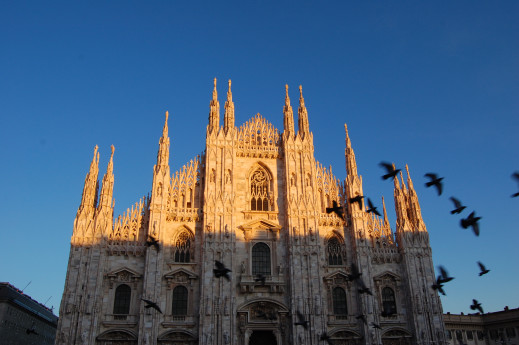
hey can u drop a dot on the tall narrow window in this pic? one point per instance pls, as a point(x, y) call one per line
point(388, 300)
point(260, 189)
point(179, 307)
point(123, 295)
point(261, 259)
point(339, 301)
point(183, 249)
point(334, 249)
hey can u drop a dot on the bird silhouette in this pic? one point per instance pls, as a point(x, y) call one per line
point(301, 320)
point(435, 181)
point(515, 176)
point(458, 206)
point(31, 330)
point(371, 208)
point(482, 268)
point(444, 275)
point(363, 288)
point(362, 317)
point(358, 200)
point(337, 209)
point(326, 337)
point(152, 241)
point(472, 221)
point(438, 286)
point(151, 304)
point(390, 170)
point(260, 278)
point(476, 305)
point(221, 270)
point(376, 325)
point(355, 274)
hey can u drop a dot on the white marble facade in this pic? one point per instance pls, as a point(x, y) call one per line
point(255, 200)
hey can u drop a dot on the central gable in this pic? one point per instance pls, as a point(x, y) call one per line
point(258, 138)
point(260, 228)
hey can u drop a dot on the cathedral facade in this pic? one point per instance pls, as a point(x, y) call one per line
point(254, 200)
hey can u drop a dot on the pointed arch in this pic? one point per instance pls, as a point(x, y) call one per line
point(335, 249)
point(183, 245)
point(261, 188)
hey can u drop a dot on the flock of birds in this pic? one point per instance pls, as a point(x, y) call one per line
point(355, 275)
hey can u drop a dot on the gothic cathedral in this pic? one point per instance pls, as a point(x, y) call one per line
point(255, 200)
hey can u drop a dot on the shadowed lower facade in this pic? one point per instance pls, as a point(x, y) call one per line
point(255, 200)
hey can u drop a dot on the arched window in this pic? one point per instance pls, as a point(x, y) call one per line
point(388, 300)
point(183, 248)
point(179, 307)
point(334, 249)
point(123, 295)
point(261, 259)
point(260, 190)
point(339, 301)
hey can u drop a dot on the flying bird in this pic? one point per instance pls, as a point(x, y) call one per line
point(472, 221)
point(363, 288)
point(337, 209)
point(355, 274)
point(438, 286)
point(376, 325)
point(326, 337)
point(260, 278)
point(444, 275)
point(221, 270)
point(358, 200)
point(301, 320)
point(390, 170)
point(371, 208)
point(362, 317)
point(150, 304)
point(153, 242)
point(458, 206)
point(31, 330)
point(515, 176)
point(435, 181)
point(482, 268)
point(476, 305)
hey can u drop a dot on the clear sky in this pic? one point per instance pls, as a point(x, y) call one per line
point(434, 85)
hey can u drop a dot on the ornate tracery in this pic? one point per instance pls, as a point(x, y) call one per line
point(183, 247)
point(260, 190)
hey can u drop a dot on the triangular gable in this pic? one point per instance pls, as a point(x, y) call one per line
point(386, 275)
point(123, 275)
point(258, 226)
point(180, 271)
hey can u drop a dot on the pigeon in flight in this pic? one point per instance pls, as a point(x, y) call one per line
point(150, 304)
point(444, 275)
point(221, 270)
point(435, 181)
point(337, 209)
point(376, 325)
point(476, 305)
point(358, 200)
point(260, 278)
point(371, 208)
point(438, 286)
point(355, 274)
point(362, 317)
point(458, 206)
point(301, 320)
point(364, 288)
point(472, 221)
point(326, 337)
point(390, 170)
point(515, 176)
point(153, 242)
point(32, 330)
point(482, 268)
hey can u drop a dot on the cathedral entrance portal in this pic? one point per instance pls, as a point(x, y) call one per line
point(262, 338)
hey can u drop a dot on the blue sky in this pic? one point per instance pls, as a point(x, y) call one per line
point(433, 85)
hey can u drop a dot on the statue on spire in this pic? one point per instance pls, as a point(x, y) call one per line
point(288, 120)
point(229, 111)
point(304, 128)
point(214, 112)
